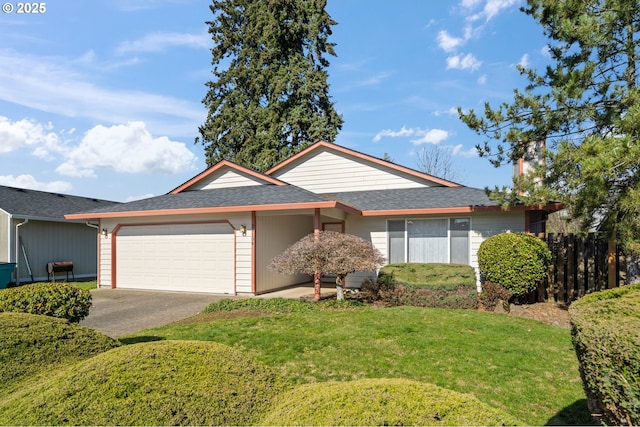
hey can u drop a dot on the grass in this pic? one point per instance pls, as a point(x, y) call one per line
point(522, 367)
point(437, 276)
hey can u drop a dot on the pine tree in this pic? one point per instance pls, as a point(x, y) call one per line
point(269, 97)
point(585, 106)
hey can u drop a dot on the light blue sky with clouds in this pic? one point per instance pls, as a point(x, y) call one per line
point(102, 98)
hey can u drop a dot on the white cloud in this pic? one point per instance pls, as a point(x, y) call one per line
point(458, 151)
point(524, 61)
point(493, 7)
point(51, 84)
point(127, 148)
point(158, 42)
point(453, 111)
point(482, 80)
point(466, 62)
point(432, 136)
point(374, 80)
point(545, 51)
point(447, 42)
point(28, 181)
point(24, 133)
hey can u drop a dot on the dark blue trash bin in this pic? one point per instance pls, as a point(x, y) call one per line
point(6, 269)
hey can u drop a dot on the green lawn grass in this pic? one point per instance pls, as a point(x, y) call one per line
point(523, 367)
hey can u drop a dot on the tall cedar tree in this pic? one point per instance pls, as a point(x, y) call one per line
point(269, 98)
point(585, 105)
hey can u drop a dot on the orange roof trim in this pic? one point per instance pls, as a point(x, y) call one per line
point(344, 150)
point(221, 209)
point(220, 165)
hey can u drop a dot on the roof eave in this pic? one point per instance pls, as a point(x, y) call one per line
point(550, 207)
point(208, 210)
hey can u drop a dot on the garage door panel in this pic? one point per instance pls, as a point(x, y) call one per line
point(183, 257)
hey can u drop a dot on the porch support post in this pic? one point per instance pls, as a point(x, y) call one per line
point(316, 275)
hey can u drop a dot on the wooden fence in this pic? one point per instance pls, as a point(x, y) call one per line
point(581, 265)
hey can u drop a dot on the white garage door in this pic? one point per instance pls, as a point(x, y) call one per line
point(181, 257)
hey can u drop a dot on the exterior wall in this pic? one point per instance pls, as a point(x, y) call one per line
point(489, 224)
point(225, 179)
point(46, 241)
point(327, 171)
point(243, 264)
point(274, 234)
point(483, 226)
point(373, 229)
point(5, 234)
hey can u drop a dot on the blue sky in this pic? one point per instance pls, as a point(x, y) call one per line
point(102, 98)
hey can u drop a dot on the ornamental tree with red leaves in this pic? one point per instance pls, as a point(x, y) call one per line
point(328, 252)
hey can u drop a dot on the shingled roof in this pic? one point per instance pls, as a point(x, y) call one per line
point(416, 198)
point(41, 204)
point(245, 198)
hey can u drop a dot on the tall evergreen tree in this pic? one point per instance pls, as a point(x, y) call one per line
point(269, 97)
point(586, 106)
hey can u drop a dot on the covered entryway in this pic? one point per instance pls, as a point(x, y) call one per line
point(176, 257)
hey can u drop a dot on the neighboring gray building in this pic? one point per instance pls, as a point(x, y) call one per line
point(34, 232)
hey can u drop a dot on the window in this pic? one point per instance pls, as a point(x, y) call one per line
point(429, 240)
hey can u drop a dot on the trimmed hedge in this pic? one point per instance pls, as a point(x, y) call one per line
point(381, 402)
point(423, 285)
point(32, 344)
point(154, 383)
point(604, 331)
point(49, 299)
point(515, 261)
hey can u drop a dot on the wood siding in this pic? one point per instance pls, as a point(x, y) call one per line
point(487, 225)
point(242, 250)
point(226, 178)
point(274, 234)
point(374, 230)
point(327, 171)
point(5, 239)
point(46, 241)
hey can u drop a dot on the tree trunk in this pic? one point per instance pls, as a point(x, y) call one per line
point(316, 286)
point(339, 282)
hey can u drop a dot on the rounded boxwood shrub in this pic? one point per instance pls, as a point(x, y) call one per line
point(604, 331)
point(31, 344)
point(49, 299)
point(154, 383)
point(515, 261)
point(381, 402)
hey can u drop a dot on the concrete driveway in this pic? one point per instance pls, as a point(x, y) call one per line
point(117, 312)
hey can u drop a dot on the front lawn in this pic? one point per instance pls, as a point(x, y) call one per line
point(523, 367)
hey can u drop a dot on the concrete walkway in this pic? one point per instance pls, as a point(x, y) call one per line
point(118, 312)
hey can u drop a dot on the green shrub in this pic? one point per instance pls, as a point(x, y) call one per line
point(423, 285)
point(428, 275)
point(31, 344)
point(461, 297)
point(384, 402)
point(155, 383)
point(49, 299)
point(516, 261)
point(604, 331)
point(492, 294)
